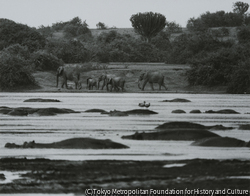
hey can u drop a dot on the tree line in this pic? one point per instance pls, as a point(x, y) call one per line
point(213, 59)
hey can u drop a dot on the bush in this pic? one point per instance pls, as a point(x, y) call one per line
point(244, 35)
point(45, 61)
point(240, 78)
point(14, 71)
point(227, 66)
point(14, 33)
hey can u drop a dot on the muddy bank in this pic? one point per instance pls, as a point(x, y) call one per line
point(73, 143)
point(47, 176)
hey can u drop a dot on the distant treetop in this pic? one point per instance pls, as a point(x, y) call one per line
point(148, 24)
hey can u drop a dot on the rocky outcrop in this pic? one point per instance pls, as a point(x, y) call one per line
point(178, 100)
point(25, 111)
point(41, 100)
point(221, 142)
point(73, 143)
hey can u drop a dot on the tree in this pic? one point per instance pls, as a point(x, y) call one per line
point(101, 25)
point(241, 8)
point(148, 24)
point(173, 27)
point(14, 33)
point(14, 71)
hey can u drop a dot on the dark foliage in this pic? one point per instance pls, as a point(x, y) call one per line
point(188, 46)
point(14, 33)
point(217, 19)
point(14, 71)
point(45, 61)
point(148, 24)
point(115, 47)
point(240, 78)
point(70, 51)
point(244, 34)
point(226, 66)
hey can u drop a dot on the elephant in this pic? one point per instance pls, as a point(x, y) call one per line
point(116, 83)
point(151, 77)
point(91, 82)
point(68, 73)
point(104, 77)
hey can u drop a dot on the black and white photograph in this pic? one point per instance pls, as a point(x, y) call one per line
point(122, 97)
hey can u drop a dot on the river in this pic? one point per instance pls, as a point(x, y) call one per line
point(16, 129)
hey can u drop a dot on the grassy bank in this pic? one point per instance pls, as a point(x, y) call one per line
point(175, 79)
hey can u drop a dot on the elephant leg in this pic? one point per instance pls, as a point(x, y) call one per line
point(144, 84)
point(66, 84)
point(103, 85)
point(152, 87)
point(164, 86)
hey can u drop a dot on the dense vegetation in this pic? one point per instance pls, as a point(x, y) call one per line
point(217, 56)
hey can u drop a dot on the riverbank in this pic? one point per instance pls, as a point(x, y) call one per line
point(175, 80)
point(60, 176)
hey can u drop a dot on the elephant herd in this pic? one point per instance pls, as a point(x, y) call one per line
point(110, 81)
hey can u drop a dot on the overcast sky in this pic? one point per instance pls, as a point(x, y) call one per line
point(35, 13)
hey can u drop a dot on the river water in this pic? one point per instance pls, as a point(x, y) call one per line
point(16, 129)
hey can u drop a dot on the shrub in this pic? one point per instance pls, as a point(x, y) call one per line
point(45, 61)
point(17, 49)
point(244, 35)
point(240, 78)
point(14, 71)
point(14, 33)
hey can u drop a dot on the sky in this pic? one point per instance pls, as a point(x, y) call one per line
point(35, 13)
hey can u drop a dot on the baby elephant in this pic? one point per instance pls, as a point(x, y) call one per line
point(117, 83)
point(91, 82)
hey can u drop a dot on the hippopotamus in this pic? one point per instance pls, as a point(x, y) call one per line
point(221, 142)
point(189, 135)
point(73, 143)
